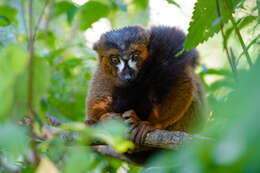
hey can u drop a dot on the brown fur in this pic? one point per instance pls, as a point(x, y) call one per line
point(183, 104)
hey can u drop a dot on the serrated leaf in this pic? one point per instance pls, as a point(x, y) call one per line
point(91, 12)
point(7, 15)
point(202, 25)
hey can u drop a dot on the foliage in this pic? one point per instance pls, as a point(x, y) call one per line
point(62, 67)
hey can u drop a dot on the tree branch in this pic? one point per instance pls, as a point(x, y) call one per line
point(30, 82)
point(157, 139)
point(160, 139)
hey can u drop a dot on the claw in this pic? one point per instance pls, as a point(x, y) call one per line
point(138, 129)
point(141, 134)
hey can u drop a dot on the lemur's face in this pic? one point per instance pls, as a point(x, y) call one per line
point(122, 53)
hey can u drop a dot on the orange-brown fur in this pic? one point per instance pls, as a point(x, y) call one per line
point(178, 110)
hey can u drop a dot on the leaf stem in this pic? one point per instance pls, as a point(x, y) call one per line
point(23, 19)
point(232, 64)
point(238, 34)
point(39, 19)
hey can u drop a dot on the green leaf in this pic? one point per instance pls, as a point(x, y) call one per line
point(14, 140)
point(71, 14)
point(258, 9)
point(63, 7)
point(41, 80)
point(203, 24)
point(242, 23)
point(13, 60)
point(114, 133)
point(142, 3)
point(81, 157)
point(174, 3)
point(91, 12)
point(7, 15)
point(4, 21)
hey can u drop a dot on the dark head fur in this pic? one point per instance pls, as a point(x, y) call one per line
point(122, 38)
point(158, 74)
point(122, 53)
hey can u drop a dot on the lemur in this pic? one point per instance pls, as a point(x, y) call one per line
point(140, 78)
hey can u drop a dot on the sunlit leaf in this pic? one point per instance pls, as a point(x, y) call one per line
point(40, 83)
point(63, 7)
point(91, 12)
point(7, 15)
point(4, 21)
point(114, 133)
point(142, 3)
point(46, 166)
point(204, 16)
point(13, 60)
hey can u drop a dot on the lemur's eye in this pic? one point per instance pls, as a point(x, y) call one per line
point(135, 55)
point(114, 59)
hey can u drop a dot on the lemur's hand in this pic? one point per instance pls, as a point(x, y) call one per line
point(138, 129)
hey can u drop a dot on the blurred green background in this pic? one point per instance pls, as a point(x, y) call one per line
point(63, 32)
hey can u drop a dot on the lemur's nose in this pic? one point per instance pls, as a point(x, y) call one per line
point(127, 77)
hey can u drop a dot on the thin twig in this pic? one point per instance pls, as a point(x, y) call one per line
point(39, 19)
point(30, 82)
point(233, 60)
point(248, 47)
point(74, 31)
point(23, 18)
point(233, 68)
point(238, 34)
point(49, 15)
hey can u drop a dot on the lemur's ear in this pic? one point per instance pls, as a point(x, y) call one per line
point(95, 46)
point(146, 35)
point(99, 44)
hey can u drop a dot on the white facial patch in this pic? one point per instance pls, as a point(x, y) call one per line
point(120, 66)
point(132, 64)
